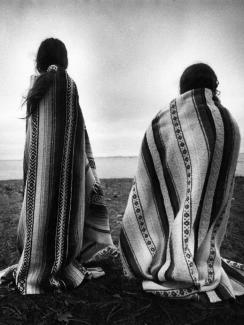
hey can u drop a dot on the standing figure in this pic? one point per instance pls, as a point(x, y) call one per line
point(63, 220)
point(179, 204)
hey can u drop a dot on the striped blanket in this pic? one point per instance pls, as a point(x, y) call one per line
point(179, 204)
point(63, 220)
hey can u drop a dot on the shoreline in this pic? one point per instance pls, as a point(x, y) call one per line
point(108, 167)
point(101, 178)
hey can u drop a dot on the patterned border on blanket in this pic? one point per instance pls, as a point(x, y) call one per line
point(212, 255)
point(187, 204)
point(174, 293)
point(30, 204)
point(234, 264)
point(62, 200)
point(141, 220)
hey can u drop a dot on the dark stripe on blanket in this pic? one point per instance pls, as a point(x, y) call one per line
point(232, 272)
point(225, 164)
point(173, 195)
point(155, 186)
point(207, 124)
point(222, 292)
point(129, 255)
point(205, 118)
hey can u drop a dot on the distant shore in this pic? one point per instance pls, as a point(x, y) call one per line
point(107, 167)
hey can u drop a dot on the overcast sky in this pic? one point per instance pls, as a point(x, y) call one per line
point(126, 58)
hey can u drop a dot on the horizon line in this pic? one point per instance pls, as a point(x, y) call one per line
point(118, 156)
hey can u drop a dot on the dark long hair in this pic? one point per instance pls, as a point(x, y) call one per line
point(51, 52)
point(199, 75)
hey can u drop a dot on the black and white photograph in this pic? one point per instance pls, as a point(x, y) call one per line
point(122, 162)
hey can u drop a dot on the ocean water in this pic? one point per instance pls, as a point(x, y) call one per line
point(107, 167)
point(240, 165)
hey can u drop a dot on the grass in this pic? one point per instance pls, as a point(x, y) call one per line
point(112, 299)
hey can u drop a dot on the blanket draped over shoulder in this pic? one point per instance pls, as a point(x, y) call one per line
point(179, 204)
point(63, 220)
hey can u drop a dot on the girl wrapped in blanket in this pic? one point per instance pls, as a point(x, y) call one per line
point(63, 220)
point(179, 204)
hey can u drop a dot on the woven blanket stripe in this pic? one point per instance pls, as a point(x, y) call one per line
point(228, 164)
point(211, 131)
point(162, 256)
point(60, 196)
point(154, 184)
point(140, 225)
point(158, 138)
point(41, 195)
point(211, 118)
point(179, 204)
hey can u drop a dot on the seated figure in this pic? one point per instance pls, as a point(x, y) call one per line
point(179, 204)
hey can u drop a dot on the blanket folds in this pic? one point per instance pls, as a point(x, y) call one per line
point(179, 204)
point(63, 220)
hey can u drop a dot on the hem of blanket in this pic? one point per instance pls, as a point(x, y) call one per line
point(72, 277)
point(97, 252)
point(211, 296)
point(221, 292)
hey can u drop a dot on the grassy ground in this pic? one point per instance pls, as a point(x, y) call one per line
point(112, 299)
